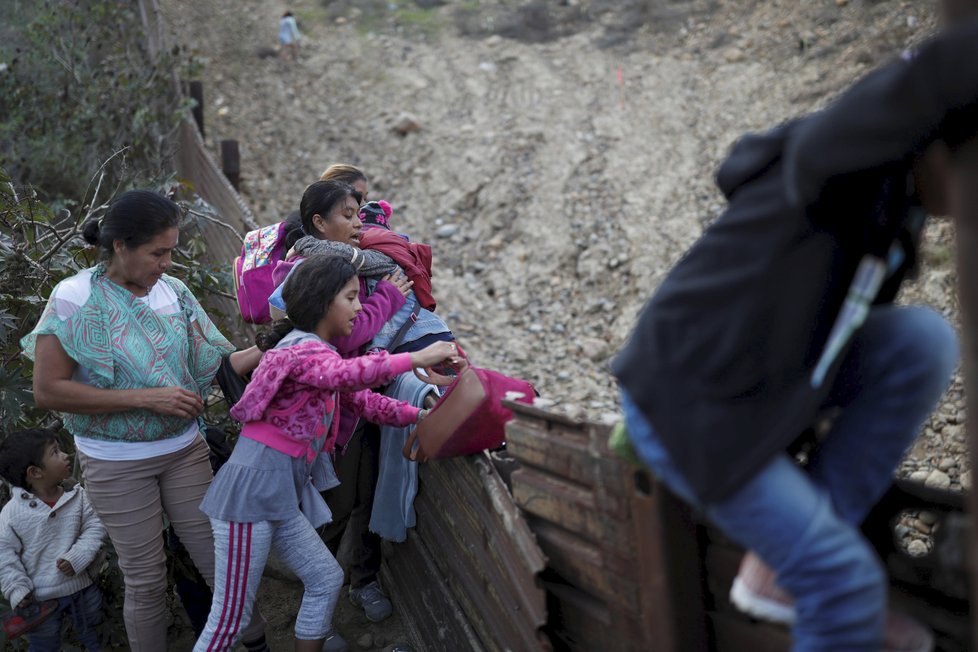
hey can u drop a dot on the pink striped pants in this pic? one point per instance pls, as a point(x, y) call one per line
point(240, 552)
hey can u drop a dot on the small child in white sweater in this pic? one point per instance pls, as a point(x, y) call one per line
point(49, 536)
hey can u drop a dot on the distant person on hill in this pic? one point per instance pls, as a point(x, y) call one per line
point(288, 36)
point(782, 313)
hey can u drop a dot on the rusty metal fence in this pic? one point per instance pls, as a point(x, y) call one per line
point(467, 578)
point(197, 168)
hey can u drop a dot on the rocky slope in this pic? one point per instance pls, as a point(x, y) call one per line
point(564, 153)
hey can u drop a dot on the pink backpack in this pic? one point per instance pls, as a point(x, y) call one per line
point(253, 282)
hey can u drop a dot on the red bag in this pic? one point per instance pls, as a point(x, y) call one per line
point(26, 619)
point(469, 417)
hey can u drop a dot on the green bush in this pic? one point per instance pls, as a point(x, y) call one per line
point(87, 112)
point(39, 246)
point(77, 83)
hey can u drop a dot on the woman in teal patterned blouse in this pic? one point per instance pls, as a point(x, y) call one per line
point(127, 354)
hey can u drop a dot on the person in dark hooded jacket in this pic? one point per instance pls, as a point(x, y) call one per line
point(782, 313)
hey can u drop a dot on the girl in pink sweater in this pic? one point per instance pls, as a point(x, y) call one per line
point(266, 497)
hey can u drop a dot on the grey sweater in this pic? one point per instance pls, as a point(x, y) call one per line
point(34, 536)
point(367, 262)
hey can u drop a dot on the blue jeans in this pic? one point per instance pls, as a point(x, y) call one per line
point(85, 610)
point(804, 523)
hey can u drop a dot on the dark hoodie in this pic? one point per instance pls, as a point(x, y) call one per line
point(721, 357)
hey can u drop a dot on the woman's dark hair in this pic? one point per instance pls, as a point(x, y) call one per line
point(22, 449)
point(286, 14)
point(308, 291)
point(320, 198)
point(135, 217)
point(293, 229)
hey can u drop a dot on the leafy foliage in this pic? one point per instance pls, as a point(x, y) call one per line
point(38, 248)
point(80, 92)
point(78, 83)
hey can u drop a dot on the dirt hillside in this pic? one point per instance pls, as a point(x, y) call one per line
point(564, 154)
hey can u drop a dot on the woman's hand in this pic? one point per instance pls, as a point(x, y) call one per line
point(171, 401)
point(400, 281)
point(435, 353)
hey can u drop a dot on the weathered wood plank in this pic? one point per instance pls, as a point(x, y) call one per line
point(580, 622)
point(668, 563)
point(571, 506)
point(585, 564)
point(491, 576)
point(459, 484)
point(576, 452)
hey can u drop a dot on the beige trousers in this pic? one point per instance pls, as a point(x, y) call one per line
point(131, 498)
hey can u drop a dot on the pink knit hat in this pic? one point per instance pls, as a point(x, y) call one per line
point(376, 213)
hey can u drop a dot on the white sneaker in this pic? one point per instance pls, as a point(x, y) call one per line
point(760, 607)
point(755, 591)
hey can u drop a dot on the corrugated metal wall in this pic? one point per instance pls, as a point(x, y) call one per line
point(466, 578)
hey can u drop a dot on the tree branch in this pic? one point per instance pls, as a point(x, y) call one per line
point(218, 222)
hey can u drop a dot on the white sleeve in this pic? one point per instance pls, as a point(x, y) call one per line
point(71, 294)
point(14, 581)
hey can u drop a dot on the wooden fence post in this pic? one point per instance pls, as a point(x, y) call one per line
point(231, 162)
point(196, 91)
point(967, 249)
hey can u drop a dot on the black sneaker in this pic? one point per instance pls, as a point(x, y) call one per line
point(335, 642)
point(371, 598)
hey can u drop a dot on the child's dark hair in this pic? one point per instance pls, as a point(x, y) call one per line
point(308, 291)
point(320, 198)
point(135, 217)
point(293, 229)
point(22, 449)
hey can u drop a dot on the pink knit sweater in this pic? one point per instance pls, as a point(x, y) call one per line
point(294, 387)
